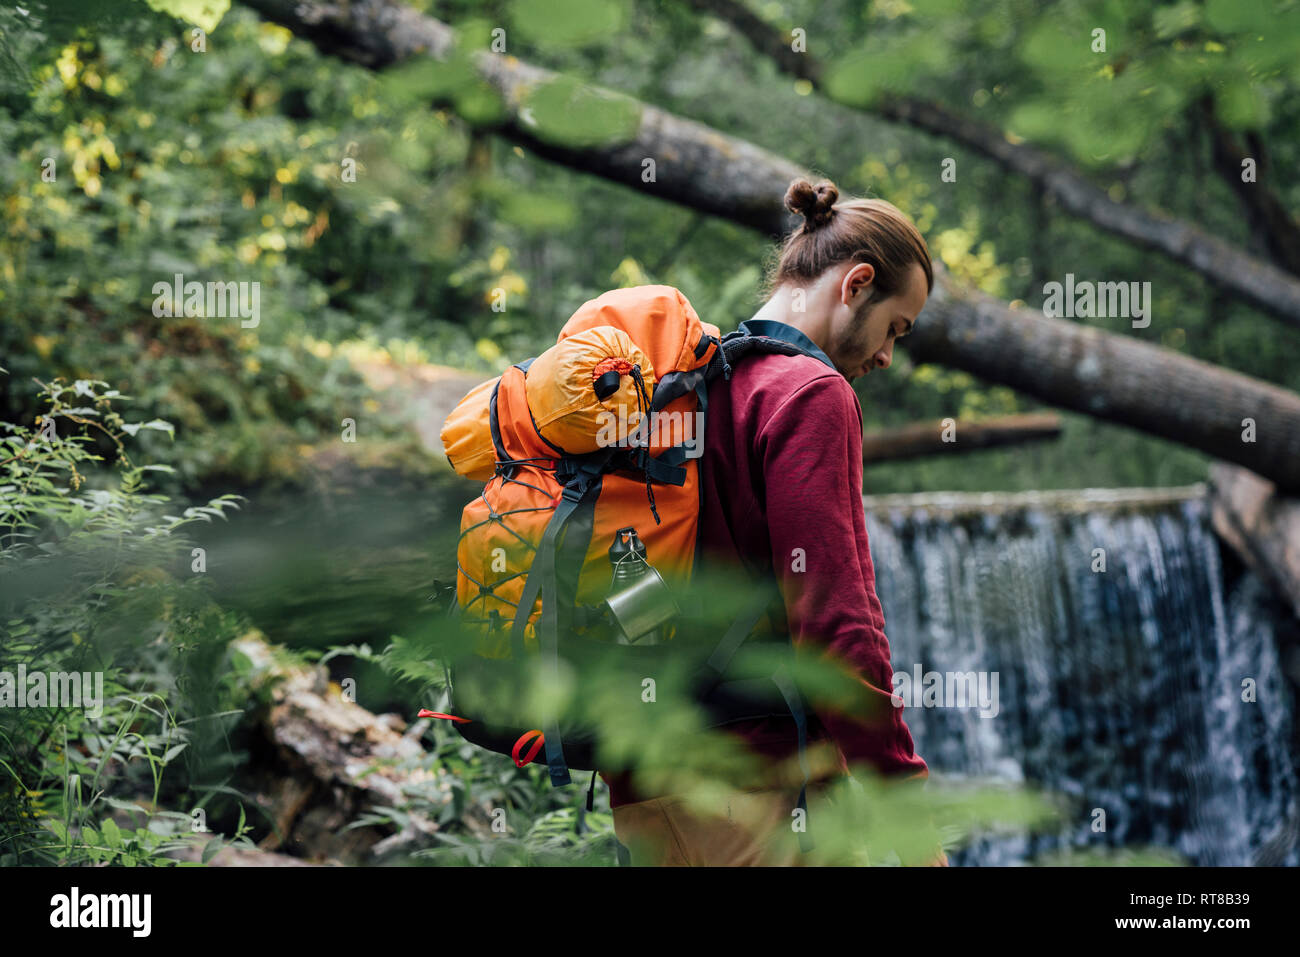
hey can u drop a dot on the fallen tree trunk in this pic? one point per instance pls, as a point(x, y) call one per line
point(332, 762)
point(1164, 393)
point(948, 437)
point(1084, 369)
point(1262, 527)
point(379, 33)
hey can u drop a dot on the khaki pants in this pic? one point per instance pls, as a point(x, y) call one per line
point(754, 829)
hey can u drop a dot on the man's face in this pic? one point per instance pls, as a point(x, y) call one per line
point(864, 328)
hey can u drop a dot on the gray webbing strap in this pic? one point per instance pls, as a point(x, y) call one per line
point(740, 629)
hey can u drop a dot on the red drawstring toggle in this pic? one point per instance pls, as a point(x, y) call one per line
point(611, 364)
point(532, 752)
point(426, 713)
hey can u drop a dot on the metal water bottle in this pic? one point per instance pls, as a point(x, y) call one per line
point(639, 601)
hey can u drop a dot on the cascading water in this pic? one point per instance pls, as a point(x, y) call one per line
point(1119, 672)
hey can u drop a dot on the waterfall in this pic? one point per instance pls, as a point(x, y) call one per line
point(1120, 658)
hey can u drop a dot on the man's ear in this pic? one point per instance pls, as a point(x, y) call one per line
point(858, 279)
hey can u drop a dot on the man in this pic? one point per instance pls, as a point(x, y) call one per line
point(782, 480)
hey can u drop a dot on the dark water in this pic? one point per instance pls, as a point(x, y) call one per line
point(1121, 689)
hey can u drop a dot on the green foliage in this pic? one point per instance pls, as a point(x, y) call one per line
point(567, 112)
point(89, 569)
point(451, 80)
point(1106, 98)
point(229, 165)
point(204, 13)
point(568, 22)
point(501, 815)
point(142, 191)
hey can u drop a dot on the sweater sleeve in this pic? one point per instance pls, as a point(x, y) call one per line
point(810, 452)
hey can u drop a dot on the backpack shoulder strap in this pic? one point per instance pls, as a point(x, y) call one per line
point(736, 346)
point(733, 348)
point(771, 338)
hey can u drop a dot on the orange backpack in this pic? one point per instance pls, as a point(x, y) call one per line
point(582, 544)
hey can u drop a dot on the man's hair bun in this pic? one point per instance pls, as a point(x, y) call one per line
point(816, 204)
point(849, 229)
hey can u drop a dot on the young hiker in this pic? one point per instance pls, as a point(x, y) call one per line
point(782, 474)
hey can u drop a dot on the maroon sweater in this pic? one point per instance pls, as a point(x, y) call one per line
point(782, 470)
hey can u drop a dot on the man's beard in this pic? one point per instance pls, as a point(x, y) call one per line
point(855, 342)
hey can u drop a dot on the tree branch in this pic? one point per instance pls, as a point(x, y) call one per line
point(1268, 215)
point(1248, 277)
point(948, 437)
point(1108, 376)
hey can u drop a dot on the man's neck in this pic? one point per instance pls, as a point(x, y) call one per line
point(780, 308)
point(765, 325)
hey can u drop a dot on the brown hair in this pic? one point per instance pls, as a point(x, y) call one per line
point(861, 230)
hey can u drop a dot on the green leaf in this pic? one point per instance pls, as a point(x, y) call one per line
point(567, 23)
point(1234, 16)
point(424, 79)
point(1058, 50)
point(112, 835)
point(862, 76)
point(1241, 105)
point(202, 13)
point(1171, 21)
point(1272, 50)
point(158, 425)
point(454, 78)
point(173, 751)
point(570, 113)
point(211, 849)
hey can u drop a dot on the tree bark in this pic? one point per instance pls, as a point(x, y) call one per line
point(1084, 369)
point(379, 33)
point(1113, 377)
point(1254, 280)
point(1268, 216)
point(948, 437)
point(1262, 527)
point(333, 761)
